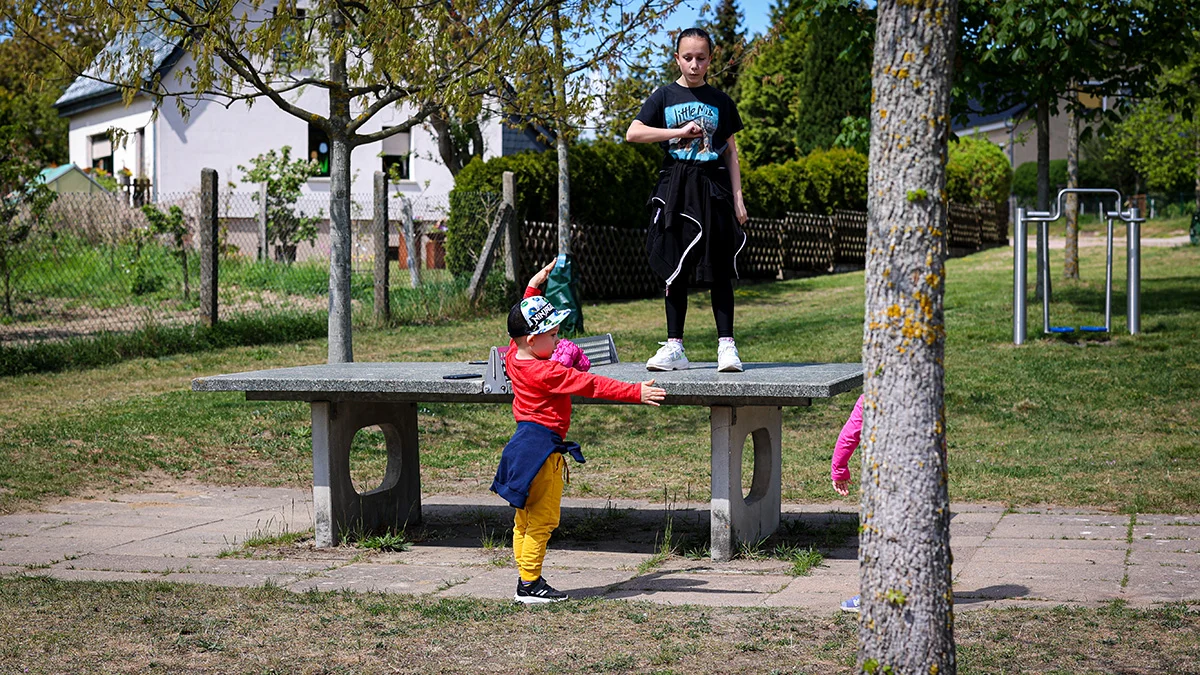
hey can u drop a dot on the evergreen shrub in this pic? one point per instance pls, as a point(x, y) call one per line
point(977, 171)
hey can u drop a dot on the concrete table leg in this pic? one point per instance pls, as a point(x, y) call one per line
point(736, 518)
point(337, 507)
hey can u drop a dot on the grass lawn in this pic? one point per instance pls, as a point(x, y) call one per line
point(1103, 422)
point(1106, 423)
point(54, 627)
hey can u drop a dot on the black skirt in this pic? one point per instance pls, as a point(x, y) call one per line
point(693, 233)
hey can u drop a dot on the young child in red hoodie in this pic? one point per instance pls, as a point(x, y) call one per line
point(530, 475)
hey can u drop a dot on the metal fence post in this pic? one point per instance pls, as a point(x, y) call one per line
point(383, 304)
point(1133, 260)
point(1019, 291)
point(208, 246)
point(263, 253)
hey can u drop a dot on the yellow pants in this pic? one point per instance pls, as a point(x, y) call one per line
point(534, 523)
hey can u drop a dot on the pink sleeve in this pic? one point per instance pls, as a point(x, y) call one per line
point(847, 442)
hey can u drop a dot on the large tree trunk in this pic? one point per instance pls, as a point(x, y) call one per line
point(341, 348)
point(1043, 180)
point(1071, 255)
point(907, 603)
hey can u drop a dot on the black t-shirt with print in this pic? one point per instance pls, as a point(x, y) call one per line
point(672, 106)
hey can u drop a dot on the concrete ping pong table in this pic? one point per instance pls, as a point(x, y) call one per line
point(351, 396)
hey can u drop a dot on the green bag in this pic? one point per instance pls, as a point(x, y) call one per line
point(563, 293)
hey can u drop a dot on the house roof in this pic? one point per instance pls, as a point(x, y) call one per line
point(973, 119)
point(53, 173)
point(89, 90)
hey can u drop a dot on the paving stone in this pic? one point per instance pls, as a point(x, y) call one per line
point(10, 569)
point(1141, 531)
point(726, 590)
point(1029, 526)
point(1149, 582)
point(229, 580)
point(105, 562)
point(824, 593)
point(1000, 542)
point(996, 556)
point(86, 509)
point(1066, 583)
point(1166, 519)
point(415, 579)
point(32, 523)
point(67, 574)
point(1164, 545)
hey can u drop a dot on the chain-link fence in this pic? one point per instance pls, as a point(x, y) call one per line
point(93, 264)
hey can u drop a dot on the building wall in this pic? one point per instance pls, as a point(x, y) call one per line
point(220, 137)
point(96, 122)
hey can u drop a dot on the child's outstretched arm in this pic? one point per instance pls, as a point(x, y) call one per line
point(652, 395)
point(847, 442)
point(539, 279)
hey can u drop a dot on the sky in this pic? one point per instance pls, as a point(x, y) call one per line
point(755, 15)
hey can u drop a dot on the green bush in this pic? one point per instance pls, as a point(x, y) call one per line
point(1091, 175)
point(609, 184)
point(819, 183)
point(977, 171)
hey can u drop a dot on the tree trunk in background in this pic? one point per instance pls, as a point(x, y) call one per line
point(1043, 182)
point(341, 348)
point(907, 603)
point(1198, 173)
point(560, 120)
point(1071, 255)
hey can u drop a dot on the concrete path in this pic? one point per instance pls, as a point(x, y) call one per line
point(1041, 557)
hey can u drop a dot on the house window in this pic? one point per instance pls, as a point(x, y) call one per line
point(318, 149)
point(102, 155)
point(396, 151)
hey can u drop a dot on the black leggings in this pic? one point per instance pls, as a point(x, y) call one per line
point(677, 305)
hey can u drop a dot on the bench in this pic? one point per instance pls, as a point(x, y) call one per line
point(347, 397)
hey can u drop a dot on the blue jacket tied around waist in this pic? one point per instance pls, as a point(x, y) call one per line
point(523, 457)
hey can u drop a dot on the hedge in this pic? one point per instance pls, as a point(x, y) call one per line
point(610, 183)
point(819, 183)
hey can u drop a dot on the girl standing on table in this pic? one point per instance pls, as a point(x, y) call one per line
point(696, 207)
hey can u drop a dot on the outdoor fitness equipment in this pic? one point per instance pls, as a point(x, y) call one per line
point(1133, 221)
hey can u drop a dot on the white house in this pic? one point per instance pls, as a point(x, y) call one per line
point(171, 150)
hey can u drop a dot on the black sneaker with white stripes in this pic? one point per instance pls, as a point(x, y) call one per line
point(536, 592)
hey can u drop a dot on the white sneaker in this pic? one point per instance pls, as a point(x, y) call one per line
point(727, 358)
point(670, 356)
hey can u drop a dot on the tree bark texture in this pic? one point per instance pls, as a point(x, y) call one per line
point(341, 348)
point(1071, 255)
point(906, 625)
point(1043, 181)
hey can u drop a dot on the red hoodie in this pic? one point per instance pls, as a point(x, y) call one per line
point(542, 389)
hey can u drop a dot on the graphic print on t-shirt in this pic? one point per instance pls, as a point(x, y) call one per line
point(695, 149)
